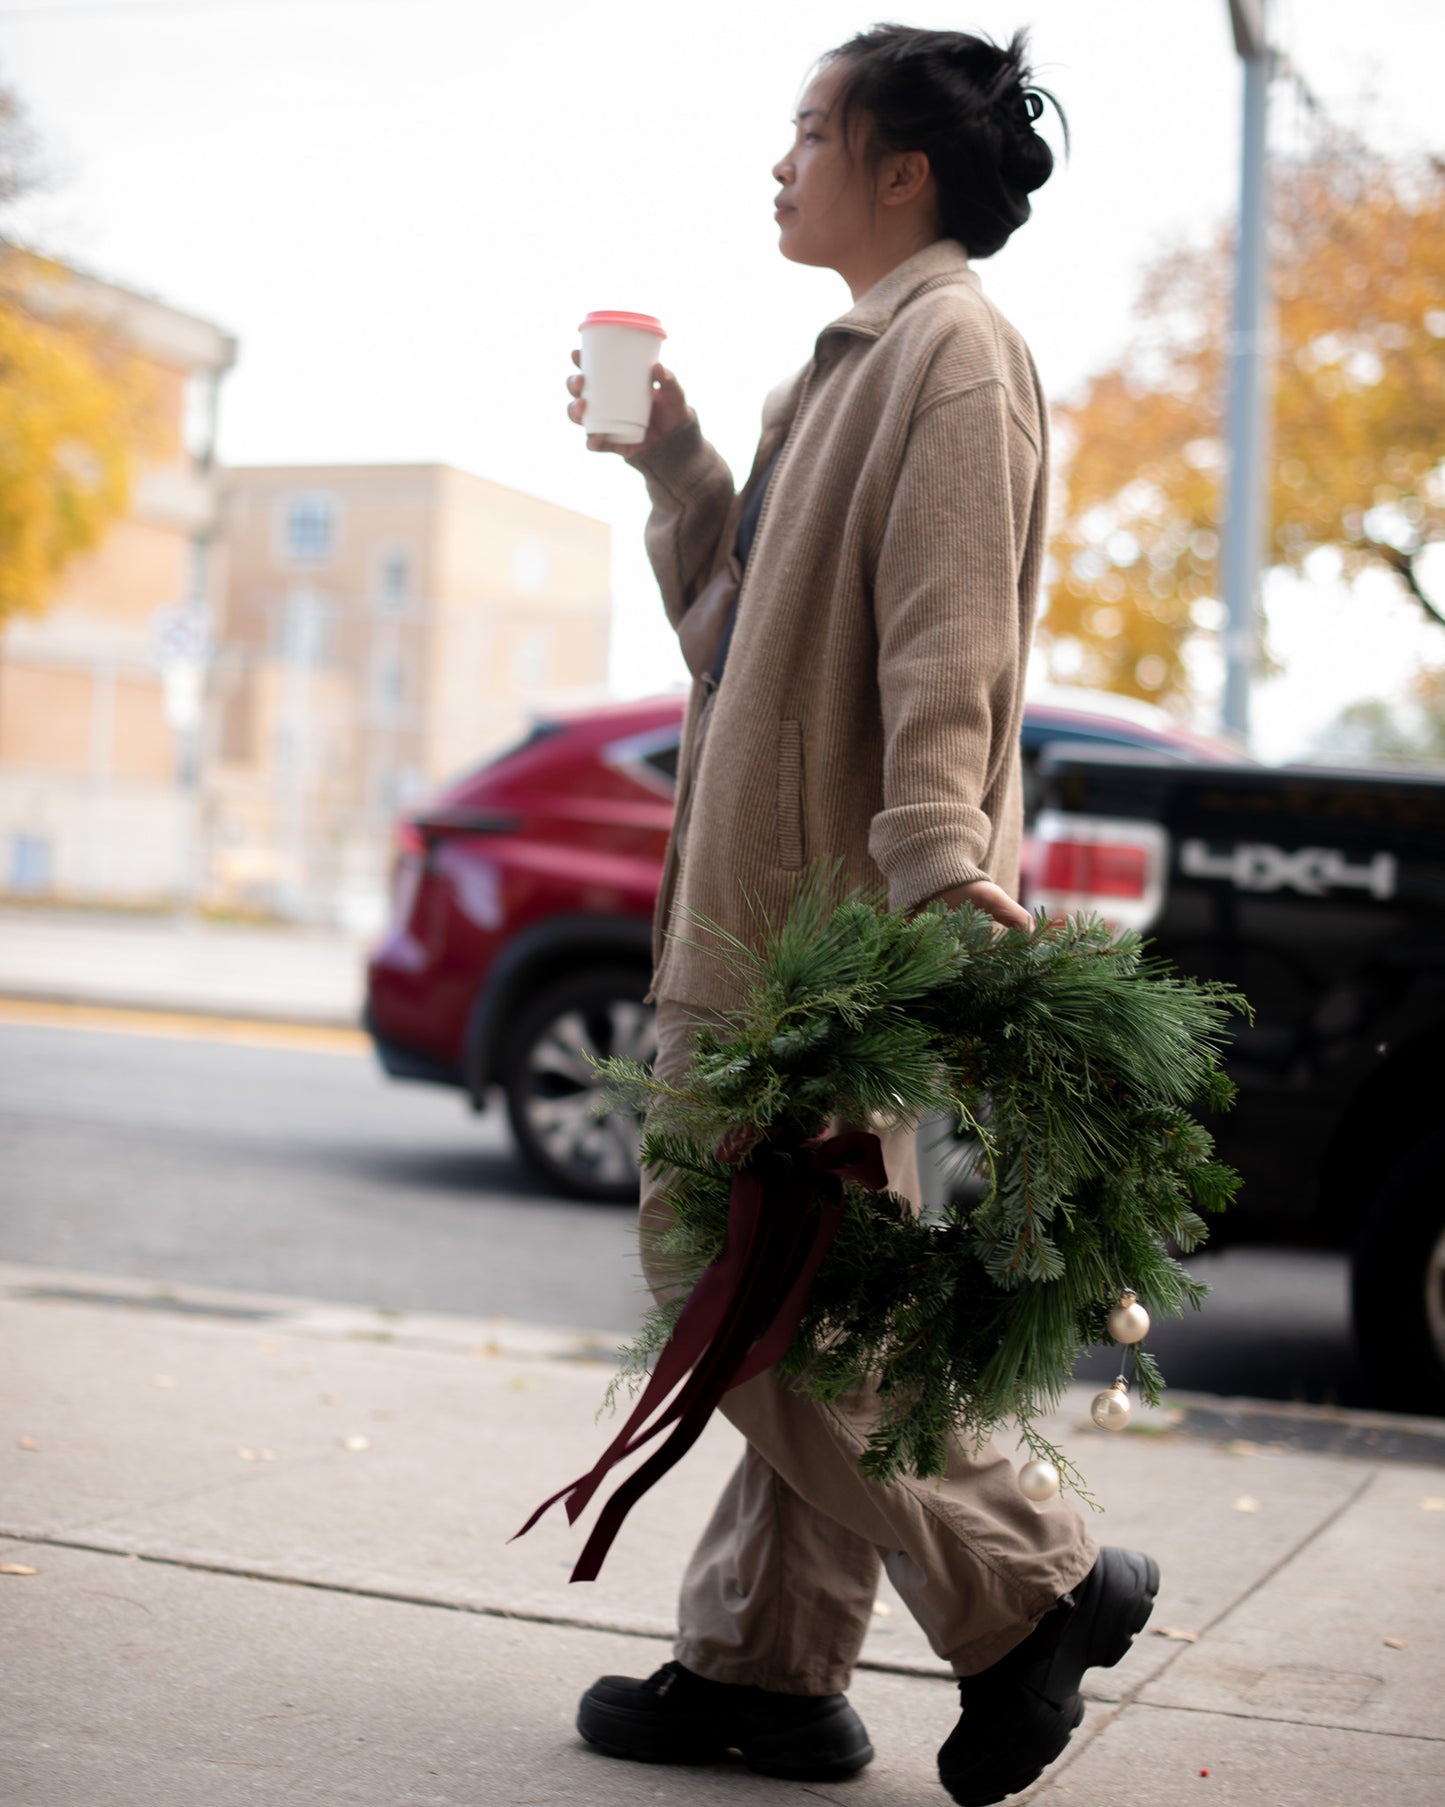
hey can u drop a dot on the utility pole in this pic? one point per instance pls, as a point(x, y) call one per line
point(1247, 405)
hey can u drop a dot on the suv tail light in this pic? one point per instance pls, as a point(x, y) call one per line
point(409, 844)
point(1095, 866)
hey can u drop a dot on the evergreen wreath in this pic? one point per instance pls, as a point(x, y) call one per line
point(1071, 1062)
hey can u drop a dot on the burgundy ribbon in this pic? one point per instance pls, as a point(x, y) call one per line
point(739, 1318)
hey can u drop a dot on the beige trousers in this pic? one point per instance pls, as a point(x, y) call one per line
point(779, 1593)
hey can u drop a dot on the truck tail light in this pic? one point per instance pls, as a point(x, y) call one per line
point(1095, 866)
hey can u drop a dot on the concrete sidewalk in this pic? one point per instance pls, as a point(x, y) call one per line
point(270, 1544)
point(293, 975)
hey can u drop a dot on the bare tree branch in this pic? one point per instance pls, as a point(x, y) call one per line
point(1402, 563)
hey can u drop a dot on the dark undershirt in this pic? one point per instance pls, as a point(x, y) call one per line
point(743, 545)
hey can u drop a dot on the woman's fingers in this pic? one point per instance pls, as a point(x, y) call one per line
point(577, 356)
point(984, 895)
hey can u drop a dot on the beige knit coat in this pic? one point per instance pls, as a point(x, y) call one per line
point(869, 713)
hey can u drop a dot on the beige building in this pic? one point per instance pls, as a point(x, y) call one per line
point(383, 627)
point(93, 798)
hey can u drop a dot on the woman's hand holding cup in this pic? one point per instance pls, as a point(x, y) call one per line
point(669, 412)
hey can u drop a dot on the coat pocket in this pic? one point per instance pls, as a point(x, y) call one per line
point(790, 795)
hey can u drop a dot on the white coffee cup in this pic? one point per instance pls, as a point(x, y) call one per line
point(618, 353)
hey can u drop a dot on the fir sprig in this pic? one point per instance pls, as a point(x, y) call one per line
point(1071, 1060)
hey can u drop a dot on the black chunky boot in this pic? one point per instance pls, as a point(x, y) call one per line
point(1019, 1714)
point(678, 1717)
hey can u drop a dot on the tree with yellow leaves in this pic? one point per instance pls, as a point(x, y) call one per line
point(1358, 436)
point(75, 408)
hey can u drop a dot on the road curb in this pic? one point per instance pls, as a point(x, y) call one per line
point(212, 1017)
point(1240, 1426)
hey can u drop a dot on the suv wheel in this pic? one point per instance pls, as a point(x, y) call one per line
point(552, 1091)
point(1399, 1284)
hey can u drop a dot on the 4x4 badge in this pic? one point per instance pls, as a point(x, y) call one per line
point(1312, 871)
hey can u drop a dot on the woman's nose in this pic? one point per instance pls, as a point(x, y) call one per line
point(782, 169)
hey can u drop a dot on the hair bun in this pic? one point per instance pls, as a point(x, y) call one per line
point(1027, 160)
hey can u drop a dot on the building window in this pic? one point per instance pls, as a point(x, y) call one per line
point(395, 584)
point(310, 527)
point(29, 863)
point(198, 421)
point(531, 661)
point(531, 567)
point(306, 622)
point(389, 686)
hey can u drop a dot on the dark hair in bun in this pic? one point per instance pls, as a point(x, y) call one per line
point(969, 105)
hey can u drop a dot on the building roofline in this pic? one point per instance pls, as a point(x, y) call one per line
point(135, 312)
point(317, 472)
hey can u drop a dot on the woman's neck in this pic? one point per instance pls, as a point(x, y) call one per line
point(881, 257)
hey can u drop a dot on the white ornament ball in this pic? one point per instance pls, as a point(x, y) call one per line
point(1038, 1480)
point(1111, 1409)
point(1128, 1321)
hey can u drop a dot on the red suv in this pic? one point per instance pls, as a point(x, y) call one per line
point(522, 921)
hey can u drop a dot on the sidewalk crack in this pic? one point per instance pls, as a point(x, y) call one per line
point(1329, 1725)
point(1262, 1581)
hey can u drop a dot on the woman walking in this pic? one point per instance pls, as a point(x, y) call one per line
point(857, 620)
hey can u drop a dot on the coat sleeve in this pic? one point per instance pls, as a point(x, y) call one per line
point(953, 627)
point(691, 491)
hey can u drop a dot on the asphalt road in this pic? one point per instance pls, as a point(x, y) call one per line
point(279, 1169)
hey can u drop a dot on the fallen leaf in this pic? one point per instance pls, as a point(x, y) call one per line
point(1245, 1504)
point(883, 1609)
point(1430, 1505)
point(1241, 1446)
point(356, 1444)
point(522, 1383)
point(163, 1380)
point(17, 1568)
point(28, 1443)
point(1178, 1636)
point(249, 1455)
point(485, 1349)
point(1394, 1643)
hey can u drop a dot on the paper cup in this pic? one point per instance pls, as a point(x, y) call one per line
point(618, 352)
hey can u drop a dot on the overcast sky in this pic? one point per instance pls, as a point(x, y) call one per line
point(402, 208)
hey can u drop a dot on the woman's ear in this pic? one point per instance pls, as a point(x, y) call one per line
point(905, 177)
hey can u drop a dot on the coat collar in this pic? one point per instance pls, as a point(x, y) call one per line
point(944, 261)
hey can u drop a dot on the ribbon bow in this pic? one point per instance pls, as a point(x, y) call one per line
point(740, 1317)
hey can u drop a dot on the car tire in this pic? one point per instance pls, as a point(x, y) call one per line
point(551, 1091)
point(1398, 1283)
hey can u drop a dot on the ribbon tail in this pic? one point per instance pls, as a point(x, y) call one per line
point(715, 1375)
point(709, 1306)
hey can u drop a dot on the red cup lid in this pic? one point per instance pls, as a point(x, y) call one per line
point(642, 323)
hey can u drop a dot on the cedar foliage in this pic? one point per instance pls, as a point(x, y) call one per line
point(1071, 1058)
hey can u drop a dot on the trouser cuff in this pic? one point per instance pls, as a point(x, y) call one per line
point(744, 1672)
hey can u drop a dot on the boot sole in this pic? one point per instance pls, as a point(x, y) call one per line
point(640, 1738)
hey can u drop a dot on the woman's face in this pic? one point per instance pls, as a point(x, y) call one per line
point(826, 204)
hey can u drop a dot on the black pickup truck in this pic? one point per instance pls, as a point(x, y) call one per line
point(1321, 895)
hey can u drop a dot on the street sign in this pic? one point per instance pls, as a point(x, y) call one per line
point(181, 635)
